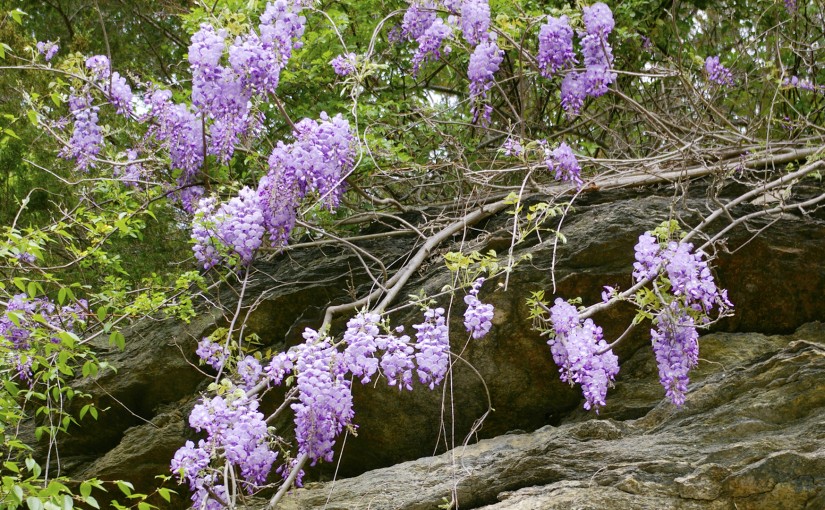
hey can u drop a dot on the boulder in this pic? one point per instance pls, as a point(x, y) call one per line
point(750, 436)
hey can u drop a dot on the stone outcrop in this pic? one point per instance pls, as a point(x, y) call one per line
point(776, 281)
point(750, 436)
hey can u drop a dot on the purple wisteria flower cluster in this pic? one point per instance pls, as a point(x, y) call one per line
point(233, 229)
point(236, 431)
point(325, 398)
point(564, 163)
point(512, 147)
point(48, 49)
point(25, 316)
point(478, 318)
point(556, 53)
point(796, 82)
point(212, 353)
point(717, 73)
point(582, 355)
point(484, 63)
point(475, 21)
point(360, 337)
point(417, 19)
point(317, 161)
point(227, 76)
point(422, 24)
point(555, 46)
point(223, 93)
point(344, 64)
point(87, 135)
point(430, 42)
point(433, 346)
point(691, 294)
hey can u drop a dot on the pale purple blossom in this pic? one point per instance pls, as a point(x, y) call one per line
point(429, 43)
point(582, 355)
point(479, 316)
point(563, 161)
point(324, 404)
point(475, 21)
point(233, 229)
point(598, 19)
point(573, 93)
point(417, 19)
point(676, 346)
point(212, 353)
point(343, 64)
point(317, 161)
point(48, 49)
point(717, 73)
point(555, 46)
point(98, 66)
point(397, 363)
point(484, 63)
point(87, 136)
point(249, 369)
point(433, 346)
point(512, 147)
point(360, 337)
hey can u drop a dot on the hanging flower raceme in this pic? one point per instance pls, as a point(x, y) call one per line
point(87, 136)
point(484, 63)
point(691, 294)
point(555, 46)
point(717, 73)
point(317, 161)
point(429, 43)
point(475, 21)
point(479, 316)
point(563, 161)
point(582, 355)
point(325, 397)
point(233, 230)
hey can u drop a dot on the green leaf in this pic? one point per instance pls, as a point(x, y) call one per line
point(11, 466)
point(18, 492)
point(20, 283)
point(117, 338)
point(61, 295)
point(17, 16)
point(125, 487)
point(85, 489)
point(34, 503)
point(68, 338)
point(32, 115)
point(166, 494)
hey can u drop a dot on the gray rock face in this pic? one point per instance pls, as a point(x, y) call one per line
point(776, 282)
point(750, 436)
